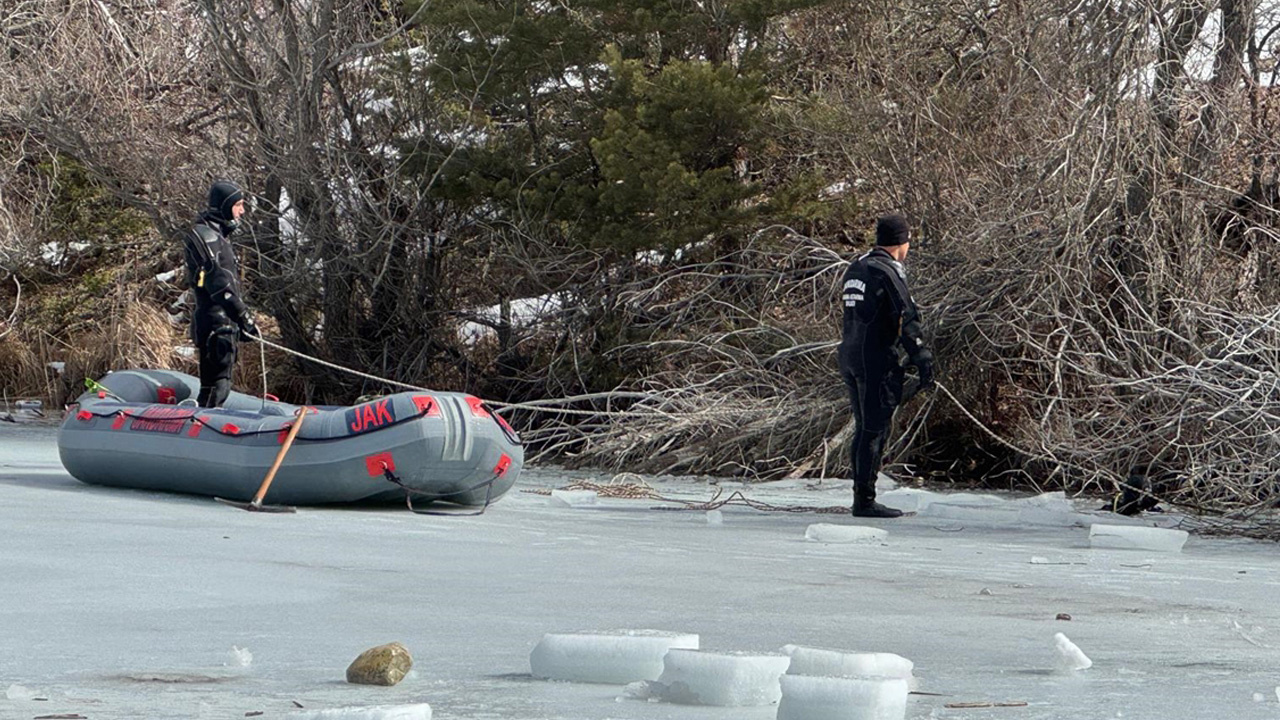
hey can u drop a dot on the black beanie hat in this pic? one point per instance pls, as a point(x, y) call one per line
point(222, 196)
point(892, 230)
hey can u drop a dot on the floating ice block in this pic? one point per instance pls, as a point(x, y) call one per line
point(609, 656)
point(835, 698)
point(828, 533)
point(1051, 508)
point(19, 692)
point(573, 498)
point(1136, 537)
point(907, 499)
point(737, 679)
point(972, 509)
point(840, 663)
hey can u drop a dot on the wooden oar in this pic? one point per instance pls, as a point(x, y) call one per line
point(256, 504)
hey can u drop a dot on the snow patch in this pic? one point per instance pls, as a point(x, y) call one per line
point(834, 190)
point(524, 312)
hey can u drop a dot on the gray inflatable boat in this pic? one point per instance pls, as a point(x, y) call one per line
point(141, 429)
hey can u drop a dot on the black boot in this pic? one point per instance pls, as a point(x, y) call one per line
point(864, 506)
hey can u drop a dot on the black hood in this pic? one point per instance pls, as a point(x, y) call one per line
point(222, 197)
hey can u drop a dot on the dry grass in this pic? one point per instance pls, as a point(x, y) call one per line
point(22, 374)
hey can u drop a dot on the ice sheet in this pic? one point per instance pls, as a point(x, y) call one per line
point(122, 605)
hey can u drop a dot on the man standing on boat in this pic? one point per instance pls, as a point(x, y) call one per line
point(881, 324)
point(221, 318)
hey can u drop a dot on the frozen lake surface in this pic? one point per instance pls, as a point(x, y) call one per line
point(118, 604)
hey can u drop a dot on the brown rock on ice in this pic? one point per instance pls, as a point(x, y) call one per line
point(382, 665)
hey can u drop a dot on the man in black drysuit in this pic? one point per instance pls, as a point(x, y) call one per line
point(221, 318)
point(880, 321)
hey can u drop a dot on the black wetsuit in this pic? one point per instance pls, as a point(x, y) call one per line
point(213, 275)
point(880, 321)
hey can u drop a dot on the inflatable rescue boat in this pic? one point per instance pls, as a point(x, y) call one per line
point(141, 429)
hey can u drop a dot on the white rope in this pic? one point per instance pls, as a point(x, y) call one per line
point(263, 342)
point(328, 364)
point(262, 353)
point(534, 405)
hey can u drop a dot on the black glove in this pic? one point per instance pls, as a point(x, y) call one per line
point(248, 328)
point(924, 367)
point(909, 390)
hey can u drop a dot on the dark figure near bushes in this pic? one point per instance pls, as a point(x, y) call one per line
point(1137, 494)
point(881, 325)
point(220, 318)
point(1239, 224)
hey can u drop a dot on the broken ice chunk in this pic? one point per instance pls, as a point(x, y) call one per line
point(19, 692)
point(1070, 656)
point(608, 656)
point(840, 663)
point(1136, 537)
point(834, 698)
point(572, 498)
point(829, 533)
point(726, 679)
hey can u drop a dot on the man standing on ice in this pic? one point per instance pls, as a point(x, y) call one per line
point(881, 323)
point(221, 318)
